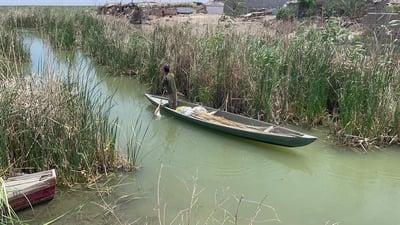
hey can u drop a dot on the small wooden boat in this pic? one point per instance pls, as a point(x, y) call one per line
point(235, 124)
point(29, 189)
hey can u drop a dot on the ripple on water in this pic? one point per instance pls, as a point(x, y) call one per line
point(372, 168)
point(224, 157)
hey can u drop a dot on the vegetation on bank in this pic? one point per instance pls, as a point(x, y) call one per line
point(307, 76)
point(50, 122)
point(327, 8)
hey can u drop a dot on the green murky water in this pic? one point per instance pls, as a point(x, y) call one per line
point(313, 185)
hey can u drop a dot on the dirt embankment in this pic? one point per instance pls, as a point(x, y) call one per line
point(207, 22)
point(150, 14)
point(213, 20)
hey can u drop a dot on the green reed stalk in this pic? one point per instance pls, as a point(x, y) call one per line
point(308, 68)
point(8, 215)
point(135, 141)
point(12, 52)
point(264, 57)
point(368, 92)
point(152, 68)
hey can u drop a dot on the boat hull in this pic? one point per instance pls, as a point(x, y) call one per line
point(245, 127)
point(30, 189)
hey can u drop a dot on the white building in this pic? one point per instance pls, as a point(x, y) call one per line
point(215, 7)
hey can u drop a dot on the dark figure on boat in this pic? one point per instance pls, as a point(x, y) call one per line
point(169, 86)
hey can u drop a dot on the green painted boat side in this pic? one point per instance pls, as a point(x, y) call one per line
point(264, 132)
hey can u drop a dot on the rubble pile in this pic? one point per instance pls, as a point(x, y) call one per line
point(131, 11)
point(136, 12)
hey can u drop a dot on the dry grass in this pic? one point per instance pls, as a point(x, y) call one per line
point(206, 22)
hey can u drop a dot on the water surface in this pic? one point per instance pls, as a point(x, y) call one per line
point(315, 184)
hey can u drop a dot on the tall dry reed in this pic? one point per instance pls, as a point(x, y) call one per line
point(51, 122)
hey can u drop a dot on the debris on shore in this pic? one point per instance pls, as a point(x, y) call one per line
point(137, 12)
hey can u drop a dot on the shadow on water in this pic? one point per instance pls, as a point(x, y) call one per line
point(291, 158)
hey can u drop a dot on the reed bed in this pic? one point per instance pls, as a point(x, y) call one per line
point(48, 124)
point(52, 122)
point(301, 74)
point(12, 53)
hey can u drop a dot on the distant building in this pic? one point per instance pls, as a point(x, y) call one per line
point(161, 12)
point(185, 10)
point(215, 7)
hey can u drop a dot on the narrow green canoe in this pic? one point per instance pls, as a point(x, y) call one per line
point(234, 124)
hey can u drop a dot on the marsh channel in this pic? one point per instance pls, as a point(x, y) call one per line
point(234, 179)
